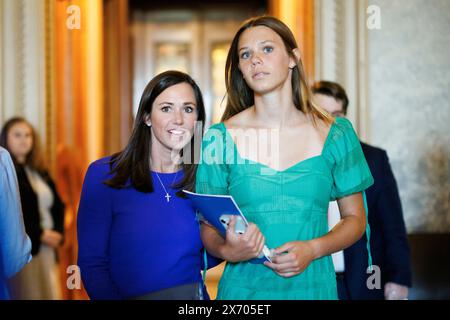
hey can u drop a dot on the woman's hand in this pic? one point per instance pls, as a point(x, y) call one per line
point(51, 238)
point(242, 247)
point(292, 258)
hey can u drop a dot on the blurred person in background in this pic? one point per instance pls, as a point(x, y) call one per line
point(43, 213)
point(388, 240)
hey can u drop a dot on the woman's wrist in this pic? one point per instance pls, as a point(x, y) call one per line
point(226, 252)
point(314, 244)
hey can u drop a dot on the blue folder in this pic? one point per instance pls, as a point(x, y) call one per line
point(215, 208)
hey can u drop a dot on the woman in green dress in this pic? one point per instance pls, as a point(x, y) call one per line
point(283, 159)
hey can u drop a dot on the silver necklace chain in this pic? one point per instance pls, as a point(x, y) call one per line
point(167, 196)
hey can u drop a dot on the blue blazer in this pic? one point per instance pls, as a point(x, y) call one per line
point(388, 240)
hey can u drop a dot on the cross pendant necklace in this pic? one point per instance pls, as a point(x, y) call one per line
point(167, 196)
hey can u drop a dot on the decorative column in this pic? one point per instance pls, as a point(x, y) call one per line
point(25, 65)
point(79, 96)
point(117, 76)
point(341, 54)
point(298, 15)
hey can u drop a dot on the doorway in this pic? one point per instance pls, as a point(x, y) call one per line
point(195, 41)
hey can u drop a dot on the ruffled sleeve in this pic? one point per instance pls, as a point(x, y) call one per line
point(350, 171)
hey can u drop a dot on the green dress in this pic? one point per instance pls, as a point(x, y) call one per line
point(286, 205)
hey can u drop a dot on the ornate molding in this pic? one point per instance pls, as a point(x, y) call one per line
point(24, 58)
point(12, 58)
point(325, 25)
point(33, 81)
point(50, 102)
point(339, 16)
point(341, 46)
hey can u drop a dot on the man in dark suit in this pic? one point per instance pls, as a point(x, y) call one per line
point(388, 240)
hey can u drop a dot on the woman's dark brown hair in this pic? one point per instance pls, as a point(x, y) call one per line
point(240, 96)
point(34, 158)
point(132, 164)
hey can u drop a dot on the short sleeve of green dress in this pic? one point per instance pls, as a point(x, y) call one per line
point(343, 151)
point(287, 205)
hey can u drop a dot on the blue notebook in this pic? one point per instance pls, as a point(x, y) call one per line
point(217, 209)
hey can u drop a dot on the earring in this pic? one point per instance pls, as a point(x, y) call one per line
point(149, 124)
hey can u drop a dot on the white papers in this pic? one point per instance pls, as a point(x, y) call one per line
point(334, 216)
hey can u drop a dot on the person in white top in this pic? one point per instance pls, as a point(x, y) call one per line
point(43, 214)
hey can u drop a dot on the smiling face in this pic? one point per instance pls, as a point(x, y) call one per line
point(20, 140)
point(263, 59)
point(172, 118)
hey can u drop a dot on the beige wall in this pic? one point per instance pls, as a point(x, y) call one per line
point(410, 105)
point(398, 83)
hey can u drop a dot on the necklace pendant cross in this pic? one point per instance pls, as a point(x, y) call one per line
point(167, 197)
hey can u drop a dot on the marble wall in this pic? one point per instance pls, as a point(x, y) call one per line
point(409, 103)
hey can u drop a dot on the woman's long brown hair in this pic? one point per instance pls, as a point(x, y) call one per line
point(239, 94)
point(132, 165)
point(34, 158)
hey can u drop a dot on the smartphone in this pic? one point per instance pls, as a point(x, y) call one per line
point(240, 226)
